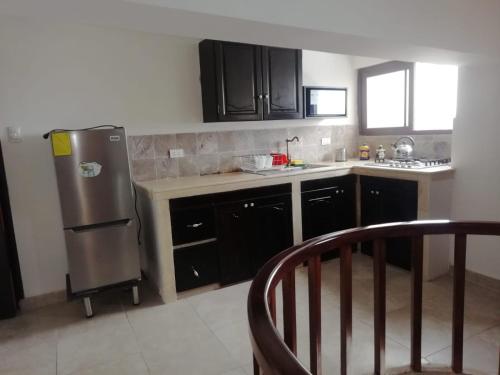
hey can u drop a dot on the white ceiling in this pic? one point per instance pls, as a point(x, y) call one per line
point(457, 31)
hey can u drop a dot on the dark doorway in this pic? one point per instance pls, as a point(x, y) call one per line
point(11, 285)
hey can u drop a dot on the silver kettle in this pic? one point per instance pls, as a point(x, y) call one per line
point(403, 148)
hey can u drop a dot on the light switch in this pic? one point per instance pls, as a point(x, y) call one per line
point(176, 153)
point(14, 134)
point(326, 141)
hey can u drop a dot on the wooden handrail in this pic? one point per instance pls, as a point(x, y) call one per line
point(275, 355)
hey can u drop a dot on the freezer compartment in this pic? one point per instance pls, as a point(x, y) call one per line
point(102, 255)
point(94, 178)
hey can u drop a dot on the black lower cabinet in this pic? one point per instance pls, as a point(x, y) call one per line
point(385, 200)
point(234, 241)
point(272, 222)
point(250, 232)
point(227, 237)
point(328, 205)
point(196, 266)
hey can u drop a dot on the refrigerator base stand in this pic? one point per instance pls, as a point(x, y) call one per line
point(135, 295)
point(87, 294)
point(87, 303)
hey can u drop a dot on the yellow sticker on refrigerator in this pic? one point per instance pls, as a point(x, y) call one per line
point(61, 144)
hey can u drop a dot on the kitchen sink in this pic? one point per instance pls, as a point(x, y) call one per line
point(287, 169)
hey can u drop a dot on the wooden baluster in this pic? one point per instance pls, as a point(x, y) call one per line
point(345, 308)
point(271, 300)
point(379, 303)
point(256, 368)
point(458, 303)
point(314, 273)
point(416, 302)
point(289, 311)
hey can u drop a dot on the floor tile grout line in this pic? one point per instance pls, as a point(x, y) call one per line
point(465, 339)
point(217, 337)
point(137, 342)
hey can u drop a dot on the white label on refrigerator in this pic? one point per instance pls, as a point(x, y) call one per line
point(114, 138)
point(89, 169)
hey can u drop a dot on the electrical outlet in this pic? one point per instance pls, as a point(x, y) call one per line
point(14, 134)
point(326, 141)
point(176, 153)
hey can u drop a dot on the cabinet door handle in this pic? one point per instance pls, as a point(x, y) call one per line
point(245, 205)
point(277, 208)
point(342, 191)
point(252, 204)
point(377, 192)
point(195, 273)
point(372, 192)
point(260, 96)
point(236, 216)
point(266, 96)
point(319, 198)
point(195, 225)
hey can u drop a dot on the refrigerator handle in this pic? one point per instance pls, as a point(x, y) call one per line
point(117, 223)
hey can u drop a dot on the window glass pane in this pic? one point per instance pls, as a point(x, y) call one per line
point(385, 100)
point(435, 96)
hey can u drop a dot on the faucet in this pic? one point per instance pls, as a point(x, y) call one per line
point(294, 139)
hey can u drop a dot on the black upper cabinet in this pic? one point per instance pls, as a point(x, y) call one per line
point(244, 82)
point(239, 81)
point(282, 83)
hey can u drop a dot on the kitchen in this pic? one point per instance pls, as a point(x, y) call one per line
point(154, 98)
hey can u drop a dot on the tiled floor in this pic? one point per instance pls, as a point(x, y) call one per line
point(207, 333)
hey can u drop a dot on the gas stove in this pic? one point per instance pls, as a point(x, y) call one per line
point(410, 163)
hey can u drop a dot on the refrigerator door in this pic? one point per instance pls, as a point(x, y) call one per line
point(102, 256)
point(93, 176)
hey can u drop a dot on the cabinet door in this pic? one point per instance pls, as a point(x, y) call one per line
point(371, 209)
point(272, 223)
point(389, 200)
point(371, 205)
point(345, 202)
point(282, 83)
point(400, 200)
point(196, 266)
point(326, 211)
point(318, 214)
point(239, 81)
point(234, 242)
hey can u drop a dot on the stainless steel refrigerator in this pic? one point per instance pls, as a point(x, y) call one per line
point(95, 191)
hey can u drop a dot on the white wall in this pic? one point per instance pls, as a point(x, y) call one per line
point(330, 69)
point(461, 25)
point(476, 135)
point(71, 76)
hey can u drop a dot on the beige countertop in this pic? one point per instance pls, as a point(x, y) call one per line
point(184, 186)
point(154, 201)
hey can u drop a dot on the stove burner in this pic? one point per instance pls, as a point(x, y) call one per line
point(411, 163)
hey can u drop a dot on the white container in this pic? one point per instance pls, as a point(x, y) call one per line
point(253, 163)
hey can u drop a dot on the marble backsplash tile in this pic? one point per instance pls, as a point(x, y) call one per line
point(436, 146)
point(216, 152)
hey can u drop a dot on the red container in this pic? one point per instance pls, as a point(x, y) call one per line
point(279, 159)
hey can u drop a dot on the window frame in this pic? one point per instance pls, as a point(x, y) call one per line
point(385, 68)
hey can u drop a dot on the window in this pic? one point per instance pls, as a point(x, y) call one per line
point(399, 97)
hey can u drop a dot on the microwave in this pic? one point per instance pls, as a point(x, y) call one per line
point(325, 101)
